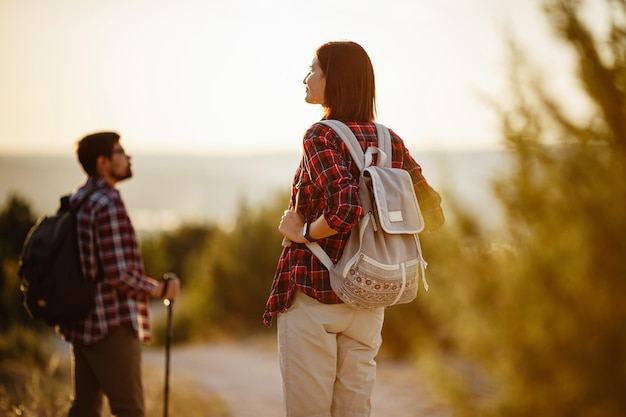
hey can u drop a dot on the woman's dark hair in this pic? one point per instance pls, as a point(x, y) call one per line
point(94, 145)
point(350, 93)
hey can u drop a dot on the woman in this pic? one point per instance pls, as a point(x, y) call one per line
point(327, 348)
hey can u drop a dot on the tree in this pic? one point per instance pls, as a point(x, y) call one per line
point(16, 218)
point(244, 263)
point(542, 318)
point(226, 274)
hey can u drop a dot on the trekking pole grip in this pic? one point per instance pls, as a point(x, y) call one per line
point(166, 280)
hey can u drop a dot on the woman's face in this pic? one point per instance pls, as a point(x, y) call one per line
point(315, 82)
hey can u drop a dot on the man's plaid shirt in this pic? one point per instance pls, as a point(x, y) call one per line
point(326, 182)
point(107, 238)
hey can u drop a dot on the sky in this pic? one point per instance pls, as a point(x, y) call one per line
point(224, 77)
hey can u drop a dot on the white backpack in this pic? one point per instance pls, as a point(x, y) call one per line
point(382, 262)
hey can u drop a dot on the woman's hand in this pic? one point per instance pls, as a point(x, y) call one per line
point(291, 226)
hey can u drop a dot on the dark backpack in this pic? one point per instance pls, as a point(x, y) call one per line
point(52, 283)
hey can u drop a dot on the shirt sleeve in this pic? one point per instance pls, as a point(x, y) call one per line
point(428, 199)
point(119, 252)
point(330, 173)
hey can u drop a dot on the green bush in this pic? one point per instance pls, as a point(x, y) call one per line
point(537, 320)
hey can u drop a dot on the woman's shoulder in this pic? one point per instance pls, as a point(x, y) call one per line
point(318, 126)
point(321, 133)
point(364, 131)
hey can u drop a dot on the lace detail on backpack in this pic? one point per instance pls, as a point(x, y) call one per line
point(392, 283)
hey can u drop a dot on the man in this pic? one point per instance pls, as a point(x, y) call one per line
point(106, 344)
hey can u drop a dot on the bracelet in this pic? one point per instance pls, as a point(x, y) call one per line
point(165, 284)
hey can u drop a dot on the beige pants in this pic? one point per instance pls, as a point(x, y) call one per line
point(326, 356)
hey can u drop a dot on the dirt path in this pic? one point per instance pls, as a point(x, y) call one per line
point(247, 377)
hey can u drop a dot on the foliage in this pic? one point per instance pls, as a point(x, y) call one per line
point(26, 345)
point(543, 315)
point(16, 218)
point(225, 275)
point(33, 392)
point(244, 265)
point(173, 251)
point(33, 379)
point(527, 323)
point(27, 390)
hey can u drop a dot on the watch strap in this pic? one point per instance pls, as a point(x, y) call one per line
point(307, 230)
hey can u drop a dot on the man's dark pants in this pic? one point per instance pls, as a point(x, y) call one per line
point(110, 367)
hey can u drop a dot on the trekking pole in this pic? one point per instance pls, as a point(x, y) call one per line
point(168, 341)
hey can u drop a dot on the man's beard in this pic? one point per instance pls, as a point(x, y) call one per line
point(126, 175)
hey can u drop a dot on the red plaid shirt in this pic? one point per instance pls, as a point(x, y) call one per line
point(326, 182)
point(107, 238)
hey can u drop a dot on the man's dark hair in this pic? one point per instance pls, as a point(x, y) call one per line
point(94, 145)
point(350, 93)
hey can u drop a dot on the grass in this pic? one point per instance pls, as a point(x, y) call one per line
point(29, 390)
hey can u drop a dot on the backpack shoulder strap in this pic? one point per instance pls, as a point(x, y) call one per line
point(360, 158)
point(78, 203)
point(321, 254)
point(384, 141)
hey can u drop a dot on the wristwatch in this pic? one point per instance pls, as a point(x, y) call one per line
point(305, 232)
